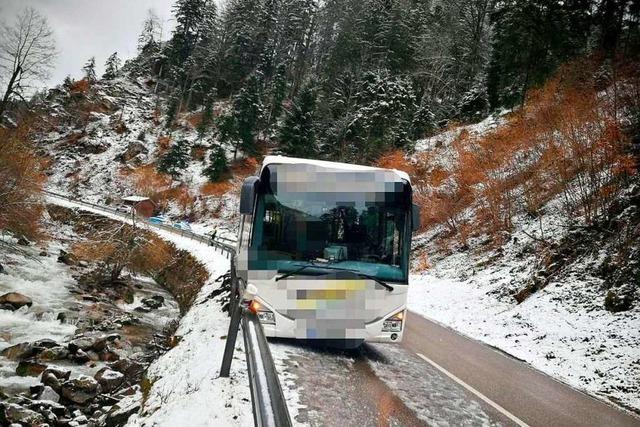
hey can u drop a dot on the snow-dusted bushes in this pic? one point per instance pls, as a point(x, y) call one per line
point(21, 181)
point(567, 142)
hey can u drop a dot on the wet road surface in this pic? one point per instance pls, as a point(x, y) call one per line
point(435, 377)
point(529, 395)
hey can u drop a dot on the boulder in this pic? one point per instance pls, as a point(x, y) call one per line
point(49, 394)
point(119, 413)
point(153, 302)
point(13, 413)
point(15, 300)
point(80, 390)
point(19, 351)
point(27, 368)
point(80, 357)
point(66, 258)
point(53, 377)
point(134, 149)
point(131, 369)
point(45, 343)
point(58, 373)
point(109, 379)
point(22, 241)
point(54, 353)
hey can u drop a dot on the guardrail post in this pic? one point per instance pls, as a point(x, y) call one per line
point(232, 335)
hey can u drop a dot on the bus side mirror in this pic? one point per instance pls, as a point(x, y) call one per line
point(415, 217)
point(248, 195)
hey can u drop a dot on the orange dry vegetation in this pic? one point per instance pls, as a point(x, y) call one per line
point(244, 167)
point(566, 141)
point(21, 179)
point(148, 181)
point(215, 189)
point(164, 142)
point(194, 119)
point(80, 86)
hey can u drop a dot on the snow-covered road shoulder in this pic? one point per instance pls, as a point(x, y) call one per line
point(595, 351)
point(183, 386)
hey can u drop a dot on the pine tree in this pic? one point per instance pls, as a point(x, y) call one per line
point(278, 94)
point(89, 70)
point(176, 159)
point(207, 116)
point(248, 113)
point(189, 16)
point(68, 82)
point(297, 134)
point(172, 109)
point(151, 32)
point(218, 165)
point(112, 66)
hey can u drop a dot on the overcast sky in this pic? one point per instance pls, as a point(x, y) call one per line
point(86, 28)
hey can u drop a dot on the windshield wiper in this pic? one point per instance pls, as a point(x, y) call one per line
point(368, 276)
point(374, 278)
point(291, 273)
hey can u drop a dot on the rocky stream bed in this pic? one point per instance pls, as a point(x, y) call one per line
point(73, 352)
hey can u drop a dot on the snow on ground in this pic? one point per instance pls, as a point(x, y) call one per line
point(184, 382)
point(592, 350)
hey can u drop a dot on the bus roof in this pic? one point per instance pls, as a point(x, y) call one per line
point(269, 160)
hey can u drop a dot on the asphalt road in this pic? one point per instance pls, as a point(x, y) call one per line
point(506, 386)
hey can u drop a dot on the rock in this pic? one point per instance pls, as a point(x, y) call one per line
point(109, 356)
point(142, 309)
point(109, 379)
point(50, 406)
point(16, 300)
point(54, 353)
point(22, 241)
point(81, 343)
point(19, 351)
point(80, 357)
point(43, 253)
point(49, 394)
point(28, 368)
point(66, 258)
point(57, 373)
point(153, 302)
point(96, 343)
point(45, 343)
point(80, 390)
point(2, 269)
point(120, 413)
point(93, 356)
point(13, 413)
point(51, 380)
point(131, 369)
point(134, 149)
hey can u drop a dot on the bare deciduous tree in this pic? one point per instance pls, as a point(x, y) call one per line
point(27, 50)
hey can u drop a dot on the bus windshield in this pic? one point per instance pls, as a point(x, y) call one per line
point(366, 235)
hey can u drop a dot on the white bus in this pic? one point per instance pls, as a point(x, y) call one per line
point(327, 246)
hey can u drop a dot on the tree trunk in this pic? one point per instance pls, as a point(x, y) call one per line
point(9, 91)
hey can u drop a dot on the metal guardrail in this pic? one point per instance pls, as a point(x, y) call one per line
point(268, 402)
point(226, 245)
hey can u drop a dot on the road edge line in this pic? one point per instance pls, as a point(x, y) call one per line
point(490, 402)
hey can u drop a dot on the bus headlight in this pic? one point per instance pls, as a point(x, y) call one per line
point(393, 323)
